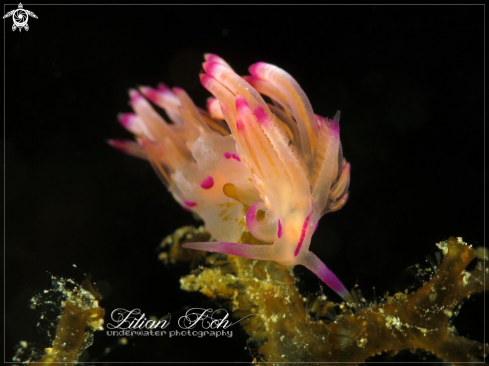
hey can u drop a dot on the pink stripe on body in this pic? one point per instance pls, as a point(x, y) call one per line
point(190, 203)
point(303, 234)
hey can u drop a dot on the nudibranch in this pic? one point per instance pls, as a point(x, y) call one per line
point(273, 169)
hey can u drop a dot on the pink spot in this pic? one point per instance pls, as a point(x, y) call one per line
point(150, 93)
point(334, 127)
point(229, 155)
point(279, 234)
point(241, 103)
point(126, 119)
point(209, 57)
point(239, 125)
point(261, 115)
point(211, 67)
point(190, 203)
point(251, 220)
point(256, 68)
point(303, 234)
point(135, 96)
point(207, 183)
point(315, 227)
point(162, 87)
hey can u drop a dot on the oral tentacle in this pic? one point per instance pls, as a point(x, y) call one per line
point(262, 252)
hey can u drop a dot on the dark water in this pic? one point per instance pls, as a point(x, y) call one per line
point(407, 79)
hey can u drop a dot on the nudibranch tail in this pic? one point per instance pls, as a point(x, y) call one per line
point(315, 265)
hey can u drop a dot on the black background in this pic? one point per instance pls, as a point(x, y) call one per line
point(407, 79)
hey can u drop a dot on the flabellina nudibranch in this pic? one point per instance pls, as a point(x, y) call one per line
point(272, 169)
